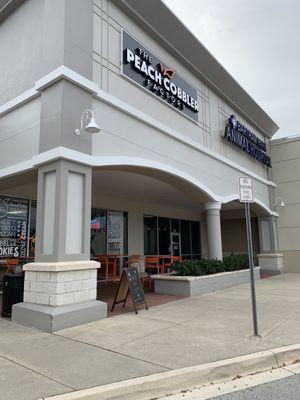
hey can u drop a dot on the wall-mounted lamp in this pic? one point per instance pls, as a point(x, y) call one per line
point(279, 202)
point(87, 123)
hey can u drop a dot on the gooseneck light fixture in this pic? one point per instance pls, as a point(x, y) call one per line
point(87, 123)
point(279, 202)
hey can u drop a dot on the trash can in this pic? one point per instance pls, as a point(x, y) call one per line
point(13, 289)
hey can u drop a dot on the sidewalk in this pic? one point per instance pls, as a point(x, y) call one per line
point(182, 333)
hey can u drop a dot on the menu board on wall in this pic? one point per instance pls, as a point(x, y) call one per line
point(13, 226)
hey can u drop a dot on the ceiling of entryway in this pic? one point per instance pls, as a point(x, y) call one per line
point(142, 188)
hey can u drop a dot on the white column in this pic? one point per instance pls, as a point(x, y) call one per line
point(214, 236)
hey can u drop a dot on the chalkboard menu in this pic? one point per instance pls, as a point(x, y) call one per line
point(13, 226)
point(130, 283)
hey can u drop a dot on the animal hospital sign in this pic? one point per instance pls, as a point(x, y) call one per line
point(237, 134)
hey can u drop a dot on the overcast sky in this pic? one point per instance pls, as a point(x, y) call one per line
point(258, 42)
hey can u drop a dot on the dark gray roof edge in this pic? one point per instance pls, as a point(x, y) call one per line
point(156, 17)
point(7, 7)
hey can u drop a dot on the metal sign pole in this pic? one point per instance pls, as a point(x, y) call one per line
point(251, 267)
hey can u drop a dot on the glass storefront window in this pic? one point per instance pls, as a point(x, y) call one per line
point(32, 228)
point(108, 232)
point(150, 235)
point(13, 227)
point(164, 236)
point(98, 232)
point(175, 228)
point(195, 235)
point(159, 232)
point(115, 232)
point(185, 238)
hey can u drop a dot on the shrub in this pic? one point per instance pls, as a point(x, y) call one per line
point(234, 262)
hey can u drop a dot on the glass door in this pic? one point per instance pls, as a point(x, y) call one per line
point(115, 232)
point(98, 232)
point(175, 244)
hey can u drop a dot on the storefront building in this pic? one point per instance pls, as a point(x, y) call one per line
point(286, 165)
point(176, 133)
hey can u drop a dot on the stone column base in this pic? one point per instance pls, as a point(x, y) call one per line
point(58, 295)
point(52, 319)
point(271, 262)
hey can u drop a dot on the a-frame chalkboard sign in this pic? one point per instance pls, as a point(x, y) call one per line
point(130, 283)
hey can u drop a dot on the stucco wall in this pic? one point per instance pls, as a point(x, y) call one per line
point(286, 165)
point(19, 133)
point(234, 236)
point(41, 35)
point(21, 49)
point(124, 137)
point(213, 111)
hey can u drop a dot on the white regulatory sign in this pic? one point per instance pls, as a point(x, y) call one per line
point(246, 194)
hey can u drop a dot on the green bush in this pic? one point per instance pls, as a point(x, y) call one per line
point(234, 262)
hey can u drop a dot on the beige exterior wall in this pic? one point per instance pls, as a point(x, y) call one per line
point(109, 20)
point(234, 232)
point(20, 131)
point(234, 237)
point(286, 166)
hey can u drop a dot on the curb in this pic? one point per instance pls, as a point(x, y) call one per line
point(152, 386)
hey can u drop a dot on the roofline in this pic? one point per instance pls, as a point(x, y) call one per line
point(163, 24)
point(7, 7)
point(285, 139)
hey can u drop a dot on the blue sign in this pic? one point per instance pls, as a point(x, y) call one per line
point(237, 134)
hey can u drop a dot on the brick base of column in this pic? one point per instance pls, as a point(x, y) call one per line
point(59, 295)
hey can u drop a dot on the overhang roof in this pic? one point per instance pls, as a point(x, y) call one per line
point(156, 18)
point(7, 6)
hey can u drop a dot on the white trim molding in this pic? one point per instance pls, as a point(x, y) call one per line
point(234, 197)
point(54, 76)
point(18, 101)
point(63, 72)
point(106, 161)
point(213, 205)
point(285, 139)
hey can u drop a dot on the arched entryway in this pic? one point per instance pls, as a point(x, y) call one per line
point(152, 205)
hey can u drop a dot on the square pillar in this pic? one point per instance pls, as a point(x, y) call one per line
point(61, 285)
point(269, 259)
point(63, 212)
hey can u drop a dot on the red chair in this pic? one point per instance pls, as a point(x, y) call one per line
point(112, 268)
point(152, 263)
point(11, 263)
point(108, 270)
point(134, 258)
point(174, 259)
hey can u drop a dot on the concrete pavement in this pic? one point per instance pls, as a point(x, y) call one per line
point(183, 333)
